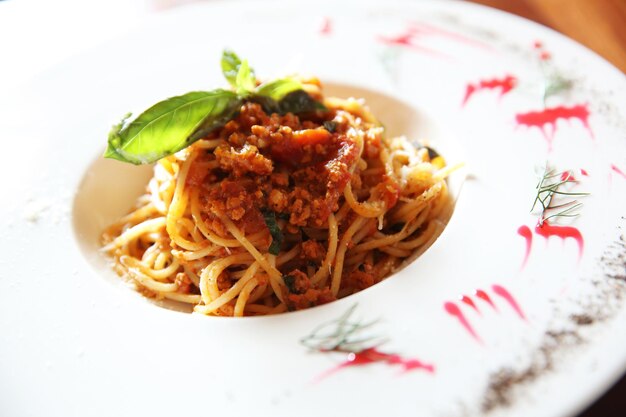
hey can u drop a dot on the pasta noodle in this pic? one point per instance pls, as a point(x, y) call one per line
point(273, 213)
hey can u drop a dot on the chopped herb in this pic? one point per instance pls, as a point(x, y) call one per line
point(290, 282)
point(277, 234)
point(330, 126)
point(432, 154)
point(283, 216)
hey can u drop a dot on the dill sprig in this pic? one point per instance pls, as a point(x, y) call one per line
point(342, 335)
point(555, 84)
point(548, 188)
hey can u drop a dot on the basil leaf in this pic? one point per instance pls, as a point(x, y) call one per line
point(278, 89)
point(285, 95)
point(296, 102)
point(171, 125)
point(299, 101)
point(111, 150)
point(231, 65)
point(277, 234)
point(245, 81)
point(269, 106)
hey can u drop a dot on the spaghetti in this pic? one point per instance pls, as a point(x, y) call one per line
point(272, 213)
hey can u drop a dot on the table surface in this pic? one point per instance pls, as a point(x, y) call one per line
point(598, 24)
point(601, 26)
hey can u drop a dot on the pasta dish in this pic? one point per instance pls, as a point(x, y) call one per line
point(276, 211)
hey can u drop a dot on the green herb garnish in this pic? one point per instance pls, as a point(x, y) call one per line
point(231, 65)
point(290, 283)
point(548, 188)
point(277, 234)
point(297, 102)
point(343, 335)
point(555, 84)
point(177, 122)
point(278, 89)
point(330, 125)
point(171, 125)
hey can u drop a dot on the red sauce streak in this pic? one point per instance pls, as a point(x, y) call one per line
point(467, 300)
point(327, 27)
point(546, 230)
point(504, 293)
point(425, 28)
point(416, 31)
point(549, 116)
point(408, 40)
point(455, 311)
point(569, 175)
point(543, 54)
point(526, 233)
point(484, 296)
point(618, 171)
point(373, 355)
point(505, 85)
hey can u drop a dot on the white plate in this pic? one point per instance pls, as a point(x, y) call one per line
point(74, 344)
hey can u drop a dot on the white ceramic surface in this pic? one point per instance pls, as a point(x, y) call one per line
point(76, 341)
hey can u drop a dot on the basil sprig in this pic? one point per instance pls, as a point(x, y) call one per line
point(177, 122)
point(231, 65)
point(278, 89)
point(170, 126)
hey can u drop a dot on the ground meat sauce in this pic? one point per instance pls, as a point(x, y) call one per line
point(300, 294)
point(293, 166)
